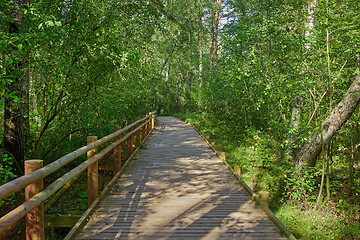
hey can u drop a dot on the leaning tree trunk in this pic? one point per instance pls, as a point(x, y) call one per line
point(341, 113)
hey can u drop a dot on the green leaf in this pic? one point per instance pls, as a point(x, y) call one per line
point(50, 23)
point(16, 99)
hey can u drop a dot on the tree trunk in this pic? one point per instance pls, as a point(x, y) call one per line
point(190, 55)
point(310, 22)
point(214, 33)
point(200, 51)
point(170, 54)
point(341, 113)
point(296, 109)
point(16, 108)
point(293, 133)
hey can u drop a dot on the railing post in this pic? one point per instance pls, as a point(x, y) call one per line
point(138, 132)
point(148, 124)
point(237, 169)
point(143, 131)
point(153, 122)
point(92, 174)
point(117, 153)
point(264, 196)
point(129, 145)
point(35, 218)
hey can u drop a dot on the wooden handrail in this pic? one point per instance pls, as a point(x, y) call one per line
point(7, 221)
point(11, 187)
point(90, 210)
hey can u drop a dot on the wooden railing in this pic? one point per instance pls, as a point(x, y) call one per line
point(32, 208)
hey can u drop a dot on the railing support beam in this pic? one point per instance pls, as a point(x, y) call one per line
point(264, 196)
point(93, 172)
point(152, 122)
point(130, 145)
point(143, 131)
point(117, 153)
point(35, 218)
point(138, 133)
point(148, 125)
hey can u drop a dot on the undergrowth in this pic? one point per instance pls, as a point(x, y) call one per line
point(293, 194)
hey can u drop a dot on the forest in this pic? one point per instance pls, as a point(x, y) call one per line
point(274, 84)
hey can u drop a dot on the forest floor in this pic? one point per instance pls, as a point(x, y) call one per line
point(293, 196)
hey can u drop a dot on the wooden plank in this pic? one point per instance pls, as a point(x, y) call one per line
point(177, 236)
point(35, 218)
point(125, 224)
point(117, 153)
point(92, 173)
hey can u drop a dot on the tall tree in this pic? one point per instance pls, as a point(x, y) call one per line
point(16, 112)
point(298, 100)
point(215, 32)
point(200, 40)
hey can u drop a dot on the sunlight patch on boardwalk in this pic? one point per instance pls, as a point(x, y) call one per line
point(176, 188)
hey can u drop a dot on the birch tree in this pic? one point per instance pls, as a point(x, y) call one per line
point(341, 113)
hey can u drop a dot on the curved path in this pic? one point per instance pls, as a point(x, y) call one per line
point(177, 188)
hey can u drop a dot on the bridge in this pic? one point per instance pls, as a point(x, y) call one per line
point(173, 186)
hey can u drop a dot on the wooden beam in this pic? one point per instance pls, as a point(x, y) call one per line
point(129, 145)
point(117, 153)
point(138, 136)
point(35, 218)
point(93, 173)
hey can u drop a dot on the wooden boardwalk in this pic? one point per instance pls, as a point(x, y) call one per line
point(177, 188)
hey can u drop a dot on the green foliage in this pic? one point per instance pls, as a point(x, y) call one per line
point(89, 64)
point(301, 185)
point(6, 169)
point(6, 174)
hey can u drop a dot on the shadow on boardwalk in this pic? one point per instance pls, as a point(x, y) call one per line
point(177, 188)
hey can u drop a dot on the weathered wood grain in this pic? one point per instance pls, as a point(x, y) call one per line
point(176, 188)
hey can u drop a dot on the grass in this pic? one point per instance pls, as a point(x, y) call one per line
point(308, 224)
point(318, 223)
point(293, 196)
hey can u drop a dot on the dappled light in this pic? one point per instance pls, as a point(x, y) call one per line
point(273, 87)
point(177, 188)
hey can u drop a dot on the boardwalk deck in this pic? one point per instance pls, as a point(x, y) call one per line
point(176, 188)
